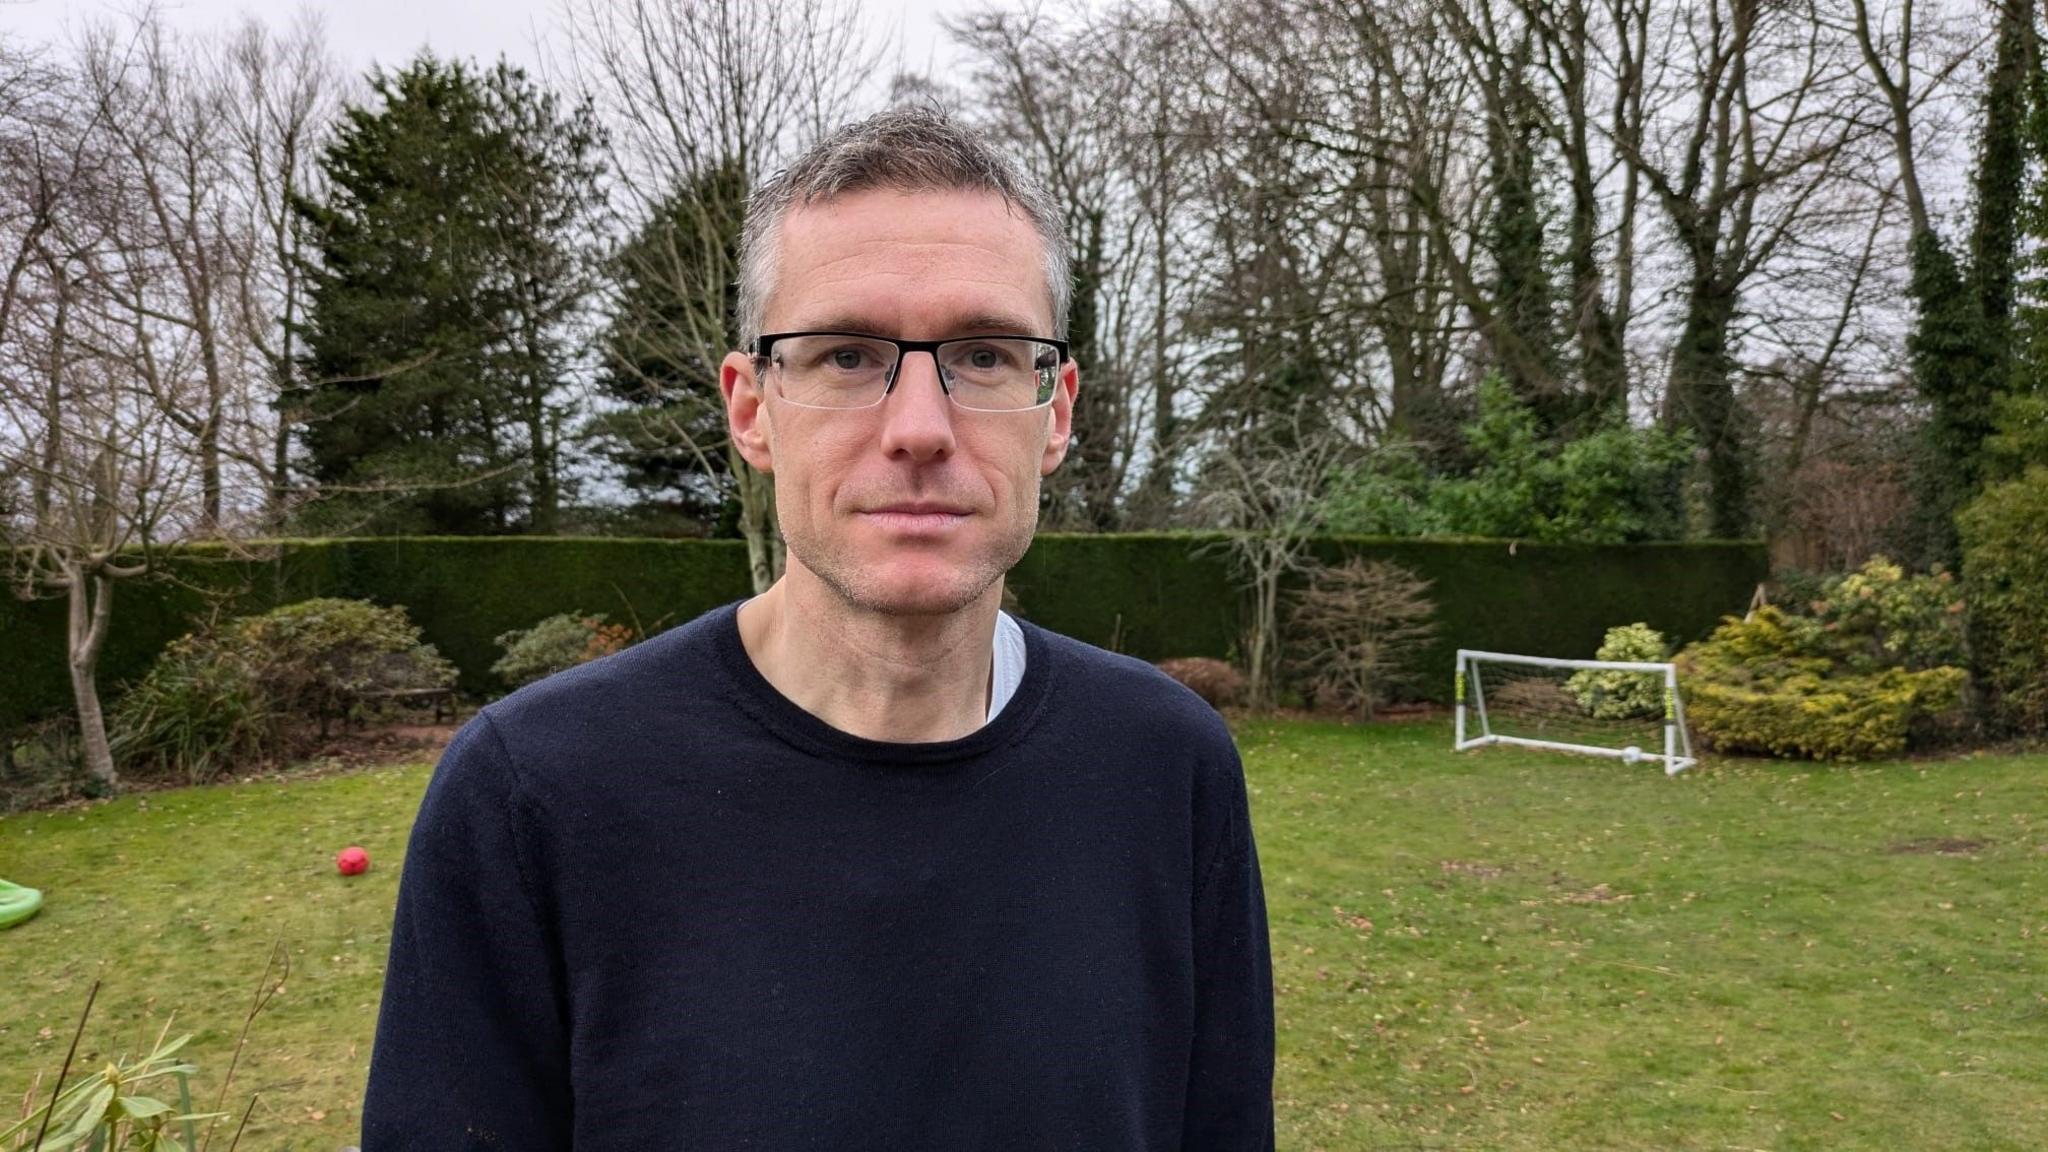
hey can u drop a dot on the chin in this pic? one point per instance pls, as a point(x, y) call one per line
point(920, 589)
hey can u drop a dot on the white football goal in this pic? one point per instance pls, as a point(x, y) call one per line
point(1599, 707)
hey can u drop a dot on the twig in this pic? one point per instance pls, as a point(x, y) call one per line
point(244, 1124)
point(44, 1127)
point(265, 989)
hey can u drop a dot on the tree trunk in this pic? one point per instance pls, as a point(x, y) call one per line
point(88, 631)
point(756, 493)
point(542, 517)
point(1703, 394)
point(1265, 631)
point(209, 475)
point(1156, 500)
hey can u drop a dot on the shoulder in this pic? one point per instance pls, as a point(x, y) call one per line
point(1136, 697)
point(591, 714)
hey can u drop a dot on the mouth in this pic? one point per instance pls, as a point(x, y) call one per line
point(917, 518)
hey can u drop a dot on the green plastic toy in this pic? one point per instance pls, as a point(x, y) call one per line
point(17, 903)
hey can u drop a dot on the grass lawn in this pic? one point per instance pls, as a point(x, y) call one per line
point(1502, 949)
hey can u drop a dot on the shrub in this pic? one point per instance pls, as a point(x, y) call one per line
point(211, 699)
point(1777, 684)
point(1612, 483)
point(1356, 630)
point(2005, 572)
point(1879, 617)
point(1612, 694)
point(201, 707)
point(1213, 680)
point(329, 657)
point(557, 643)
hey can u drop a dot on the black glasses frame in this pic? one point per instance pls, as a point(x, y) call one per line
point(765, 342)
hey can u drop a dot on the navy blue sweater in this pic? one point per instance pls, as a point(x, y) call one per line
point(651, 903)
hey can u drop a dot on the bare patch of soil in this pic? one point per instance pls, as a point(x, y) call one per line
point(1938, 846)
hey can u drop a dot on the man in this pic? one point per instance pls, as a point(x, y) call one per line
point(861, 862)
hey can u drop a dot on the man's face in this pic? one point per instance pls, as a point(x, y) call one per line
point(914, 266)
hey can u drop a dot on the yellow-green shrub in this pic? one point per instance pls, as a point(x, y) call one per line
point(1777, 684)
point(1611, 695)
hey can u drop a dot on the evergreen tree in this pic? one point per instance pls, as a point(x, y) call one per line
point(443, 276)
point(667, 431)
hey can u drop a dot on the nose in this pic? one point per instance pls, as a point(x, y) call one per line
point(917, 416)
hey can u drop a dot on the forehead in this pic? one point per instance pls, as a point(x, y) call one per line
point(915, 265)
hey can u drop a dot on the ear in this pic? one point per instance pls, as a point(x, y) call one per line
point(1062, 431)
point(746, 412)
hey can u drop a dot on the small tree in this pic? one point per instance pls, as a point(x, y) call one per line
point(1357, 630)
point(1272, 504)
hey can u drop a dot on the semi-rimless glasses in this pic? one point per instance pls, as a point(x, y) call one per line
point(856, 370)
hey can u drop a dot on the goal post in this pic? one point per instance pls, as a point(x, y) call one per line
point(1626, 709)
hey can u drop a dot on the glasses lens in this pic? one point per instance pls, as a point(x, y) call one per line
point(1000, 374)
point(833, 371)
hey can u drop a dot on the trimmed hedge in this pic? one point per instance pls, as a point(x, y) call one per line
point(1152, 595)
point(463, 591)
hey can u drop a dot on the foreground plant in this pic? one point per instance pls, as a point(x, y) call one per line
point(111, 1109)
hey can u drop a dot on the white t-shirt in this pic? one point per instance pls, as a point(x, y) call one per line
point(1009, 662)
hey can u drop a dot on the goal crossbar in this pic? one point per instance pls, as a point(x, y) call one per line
point(1676, 757)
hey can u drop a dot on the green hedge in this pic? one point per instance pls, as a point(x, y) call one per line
point(1150, 595)
point(461, 590)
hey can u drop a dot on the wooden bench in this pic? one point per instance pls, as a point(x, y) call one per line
point(443, 698)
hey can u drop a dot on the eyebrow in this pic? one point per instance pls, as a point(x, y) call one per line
point(985, 322)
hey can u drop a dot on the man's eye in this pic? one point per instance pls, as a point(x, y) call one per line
point(986, 357)
point(848, 359)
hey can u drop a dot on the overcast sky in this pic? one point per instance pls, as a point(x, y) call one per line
point(388, 31)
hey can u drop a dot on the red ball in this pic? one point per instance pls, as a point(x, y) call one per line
point(352, 861)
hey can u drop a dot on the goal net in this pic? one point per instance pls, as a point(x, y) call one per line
point(1598, 707)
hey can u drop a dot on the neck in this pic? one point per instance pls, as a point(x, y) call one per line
point(907, 679)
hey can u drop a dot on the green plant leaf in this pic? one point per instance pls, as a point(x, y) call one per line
point(143, 1107)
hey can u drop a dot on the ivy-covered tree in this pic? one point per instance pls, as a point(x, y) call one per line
point(445, 275)
point(1524, 297)
point(1961, 343)
point(2021, 415)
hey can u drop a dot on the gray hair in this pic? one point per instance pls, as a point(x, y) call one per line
point(910, 148)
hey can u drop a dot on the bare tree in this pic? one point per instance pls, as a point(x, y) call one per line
point(164, 109)
point(1050, 96)
point(1271, 504)
point(284, 92)
point(99, 479)
point(689, 89)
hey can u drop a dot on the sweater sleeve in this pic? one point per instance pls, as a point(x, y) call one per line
point(1230, 1077)
point(471, 1049)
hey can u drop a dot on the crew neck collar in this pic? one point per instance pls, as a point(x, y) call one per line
point(787, 719)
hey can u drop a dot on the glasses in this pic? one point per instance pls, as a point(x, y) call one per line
point(853, 370)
